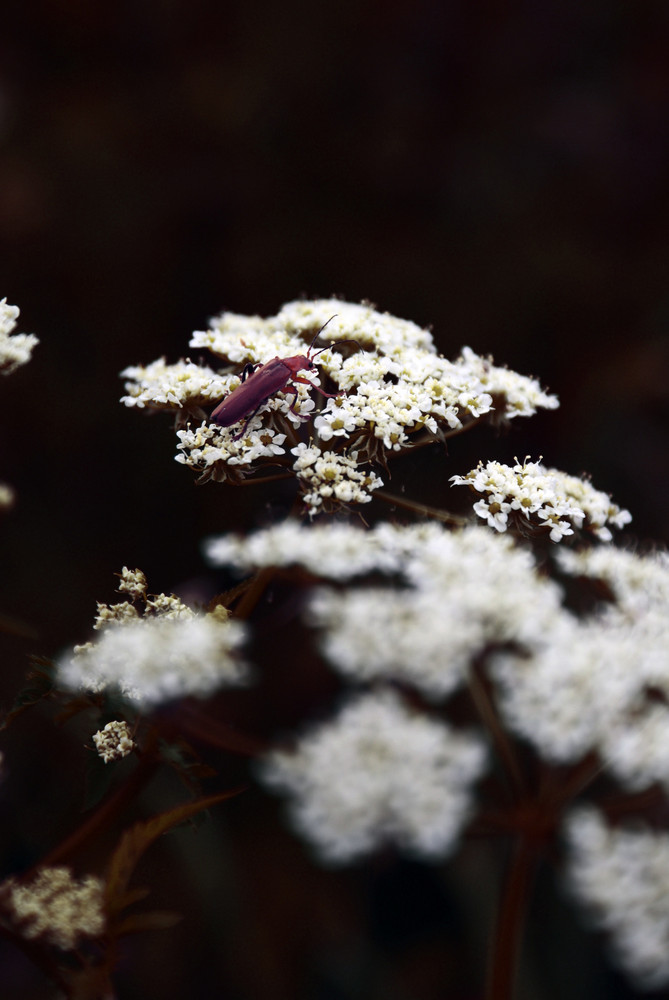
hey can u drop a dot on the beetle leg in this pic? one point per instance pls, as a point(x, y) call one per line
point(247, 370)
point(330, 395)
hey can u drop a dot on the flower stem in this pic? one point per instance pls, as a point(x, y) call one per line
point(506, 947)
point(420, 508)
point(107, 811)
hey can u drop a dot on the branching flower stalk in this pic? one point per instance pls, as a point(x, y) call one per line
point(487, 692)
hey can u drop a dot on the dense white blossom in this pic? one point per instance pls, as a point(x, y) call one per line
point(528, 493)
point(464, 592)
point(334, 550)
point(15, 348)
point(379, 773)
point(55, 907)
point(622, 876)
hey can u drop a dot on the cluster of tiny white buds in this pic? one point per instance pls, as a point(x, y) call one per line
point(529, 497)
point(114, 741)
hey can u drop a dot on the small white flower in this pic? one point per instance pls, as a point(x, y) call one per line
point(133, 582)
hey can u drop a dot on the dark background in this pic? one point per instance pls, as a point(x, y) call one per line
point(496, 171)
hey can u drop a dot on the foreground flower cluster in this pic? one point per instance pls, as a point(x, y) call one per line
point(574, 686)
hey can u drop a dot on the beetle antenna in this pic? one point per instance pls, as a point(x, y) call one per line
point(320, 331)
point(334, 344)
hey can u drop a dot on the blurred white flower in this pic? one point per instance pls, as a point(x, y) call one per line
point(55, 906)
point(377, 774)
point(622, 876)
point(156, 649)
point(15, 348)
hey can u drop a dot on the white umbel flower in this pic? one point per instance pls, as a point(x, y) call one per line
point(391, 391)
point(529, 495)
point(156, 648)
point(379, 774)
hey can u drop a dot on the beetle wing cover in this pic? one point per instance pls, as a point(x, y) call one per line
point(247, 397)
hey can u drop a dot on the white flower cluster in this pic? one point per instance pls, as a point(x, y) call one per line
point(15, 348)
point(460, 592)
point(622, 876)
point(326, 476)
point(55, 906)
point(114, 741)
point(334, 550)
point(569, 685)
point(162, 651)
point(391, 389)
point(529, 495)
point(379, 773)
point(600, 683)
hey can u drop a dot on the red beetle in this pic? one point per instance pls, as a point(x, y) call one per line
point(260, 382)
